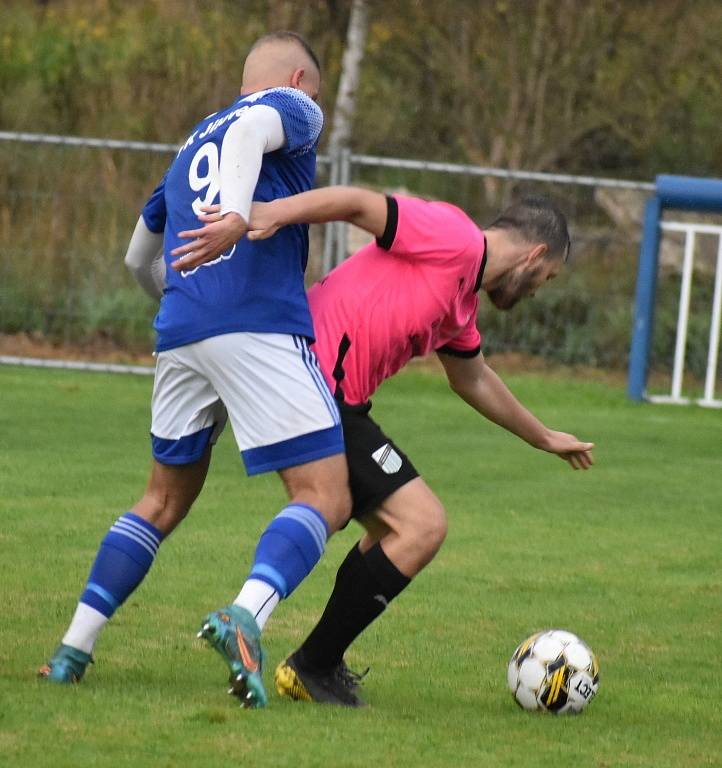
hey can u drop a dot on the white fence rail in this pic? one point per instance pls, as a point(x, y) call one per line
point(340, 171)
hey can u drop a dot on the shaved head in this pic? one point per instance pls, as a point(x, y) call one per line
point(281, 59)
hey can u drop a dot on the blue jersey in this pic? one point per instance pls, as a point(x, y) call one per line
point(255, 286)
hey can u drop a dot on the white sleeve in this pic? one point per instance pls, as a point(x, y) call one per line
point(144, 259)
point(257, 131)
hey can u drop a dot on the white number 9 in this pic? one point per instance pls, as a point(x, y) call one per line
point(210, 182)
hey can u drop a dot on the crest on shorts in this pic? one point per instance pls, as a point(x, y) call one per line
point(387, 458)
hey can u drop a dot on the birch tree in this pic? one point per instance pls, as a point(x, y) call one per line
point(345, 107)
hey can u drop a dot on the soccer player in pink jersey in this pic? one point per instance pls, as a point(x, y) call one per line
point(415, 290)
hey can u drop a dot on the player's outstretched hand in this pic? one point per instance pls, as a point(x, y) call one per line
point(207, 243)
point(577, 453)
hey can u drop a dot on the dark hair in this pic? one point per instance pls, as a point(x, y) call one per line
point(287, 36)
point(537, 220)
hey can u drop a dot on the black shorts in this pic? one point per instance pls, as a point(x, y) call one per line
point(377, 466)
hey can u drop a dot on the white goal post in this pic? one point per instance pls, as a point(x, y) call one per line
point(690, 232)
point(681, 193)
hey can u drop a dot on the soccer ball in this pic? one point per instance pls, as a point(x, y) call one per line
point(553, 671)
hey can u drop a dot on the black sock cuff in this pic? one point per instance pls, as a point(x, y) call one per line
point(389, 577)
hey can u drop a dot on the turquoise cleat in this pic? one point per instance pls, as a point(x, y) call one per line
point(67, 665)
point(233, 632)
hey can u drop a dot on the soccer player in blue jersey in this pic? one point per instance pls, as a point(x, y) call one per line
point(232, 344)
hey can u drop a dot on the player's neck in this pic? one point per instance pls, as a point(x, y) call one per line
point(501, 256)
point(252, 86)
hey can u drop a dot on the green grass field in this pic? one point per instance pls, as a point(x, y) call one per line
point(626, 555)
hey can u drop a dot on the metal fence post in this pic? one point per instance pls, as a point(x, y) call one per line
point(644, 302)
point(330, 228)
point(344, 177)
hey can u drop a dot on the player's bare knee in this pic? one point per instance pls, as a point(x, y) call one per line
point(426, 527)
point(438, 527)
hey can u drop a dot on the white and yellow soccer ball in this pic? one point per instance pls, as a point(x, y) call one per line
point(553, 671)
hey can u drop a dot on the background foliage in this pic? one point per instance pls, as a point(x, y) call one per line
point(610, 88)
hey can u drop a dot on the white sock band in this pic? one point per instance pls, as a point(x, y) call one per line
point(84, 628)
point(259, 598)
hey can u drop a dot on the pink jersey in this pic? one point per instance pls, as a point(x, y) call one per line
point(411, 292)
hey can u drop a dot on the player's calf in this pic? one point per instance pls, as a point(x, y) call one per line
point(323, 485)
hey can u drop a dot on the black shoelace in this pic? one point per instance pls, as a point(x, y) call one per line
point(348, 677)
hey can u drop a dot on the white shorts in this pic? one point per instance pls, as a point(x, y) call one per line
point(270, 386)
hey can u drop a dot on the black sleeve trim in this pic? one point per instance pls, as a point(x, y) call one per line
point(465, 353)
point(392, 222)
point(479, 277)
point(338, 372)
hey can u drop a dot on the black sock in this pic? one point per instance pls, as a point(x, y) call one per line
point(365, 585)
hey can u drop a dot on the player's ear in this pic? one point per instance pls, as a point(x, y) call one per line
point(297, 77)
point(536, 254)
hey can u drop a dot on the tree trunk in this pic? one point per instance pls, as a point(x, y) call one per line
point(344, 109)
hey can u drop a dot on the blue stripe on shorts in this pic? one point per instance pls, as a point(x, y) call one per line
point(294, 451)
point(185, 450)
point(309, 360)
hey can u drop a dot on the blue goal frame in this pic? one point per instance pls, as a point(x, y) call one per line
point(686, 193)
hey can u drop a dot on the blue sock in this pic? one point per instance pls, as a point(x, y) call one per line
point(290, 547)
point(125, 555)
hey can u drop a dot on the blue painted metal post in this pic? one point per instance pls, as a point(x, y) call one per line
point(688, 193)
point(644, 303)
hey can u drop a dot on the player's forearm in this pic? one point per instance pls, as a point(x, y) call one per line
point(362, 207)
point(144, 259)
point(492, 398)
